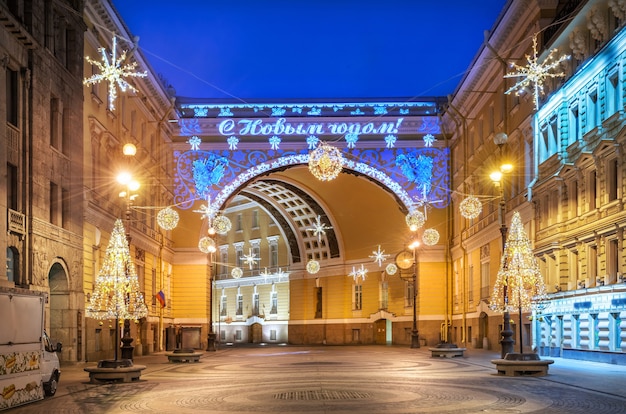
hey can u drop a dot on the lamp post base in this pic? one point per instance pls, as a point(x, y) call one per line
point(415, 339)
point(211, 342)
point(507, 334)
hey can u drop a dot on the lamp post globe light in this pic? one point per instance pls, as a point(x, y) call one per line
point(497, 177)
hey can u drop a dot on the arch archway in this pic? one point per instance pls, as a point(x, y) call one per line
point(59, 324)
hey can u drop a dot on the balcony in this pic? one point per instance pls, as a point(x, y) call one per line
point(16, 222)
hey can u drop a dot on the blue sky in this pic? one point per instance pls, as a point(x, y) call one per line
point(291, 49)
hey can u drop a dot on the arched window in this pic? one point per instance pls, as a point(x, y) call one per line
point(12, 264)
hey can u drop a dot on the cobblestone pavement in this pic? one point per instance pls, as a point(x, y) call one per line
point(345, 379)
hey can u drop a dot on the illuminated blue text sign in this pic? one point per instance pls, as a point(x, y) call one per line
point(281, 126)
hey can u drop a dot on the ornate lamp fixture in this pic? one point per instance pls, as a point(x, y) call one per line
point(325, 162)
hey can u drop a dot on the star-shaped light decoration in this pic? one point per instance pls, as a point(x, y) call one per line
point(113, 72)
point(358, 274)
point(423, 201)
point(535, 73)
point(280, 274)
point(265, 274)
point(206, 211)
point(194, 142)
point(379, 256)
point(250, 259)
point(318, 229)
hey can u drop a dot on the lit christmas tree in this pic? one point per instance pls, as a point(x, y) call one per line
point(116, 292)
point(519, 274)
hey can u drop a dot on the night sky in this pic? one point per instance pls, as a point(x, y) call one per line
point(291, 49)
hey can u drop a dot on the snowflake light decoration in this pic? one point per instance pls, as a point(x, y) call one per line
point(379, 256)
point(390, 141)
point(232, 143)
point(274, 142)
point(194, 142)
point(312, 141)
point(206, 211)
point(318, 228)
point(250, 259)
point(351, 139)
point(535, 73)
point(429, 139)
point(113, 72)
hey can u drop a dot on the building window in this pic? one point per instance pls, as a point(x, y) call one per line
point(256, 252)
point(12, 179)
point(470, 284)
point(592, 185)
point(223, 265)
point(273, 255)
point(592, 110)
point(224, 304)
point(612, 260)
point(55, 207)
point(255, 219)
point(612, 179)
point(255, 303)
point(272, 334)
point(12, 107)
point(274, 302)
point(574, 125)
point(573, 200)
point(408, 293)
point(319, 301)
point(613, 97)
point(12, 264)
point(485, 282)
point(592, 263)
point(55, 123)
point(238, 335)
point(238, 223)
point(358, 297)
point(384, 295)
point(239, 311)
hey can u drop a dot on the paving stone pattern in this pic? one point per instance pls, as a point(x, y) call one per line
point(346, 379)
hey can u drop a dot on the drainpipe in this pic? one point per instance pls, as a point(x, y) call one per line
point(462, 125)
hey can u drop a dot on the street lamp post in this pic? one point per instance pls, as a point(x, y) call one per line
point(212, 248)
point(500, 140)
point(414, 334)
point(128, 195)
point(404, 261)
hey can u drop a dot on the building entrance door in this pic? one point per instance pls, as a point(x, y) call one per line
point(380, 331)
